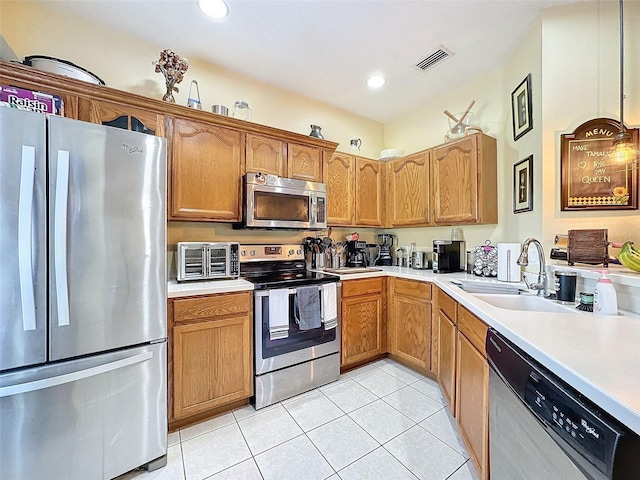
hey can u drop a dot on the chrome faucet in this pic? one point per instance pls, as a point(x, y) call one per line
point(523, 260)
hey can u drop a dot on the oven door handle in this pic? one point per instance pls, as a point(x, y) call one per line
point(292, 291)
point(266, 293)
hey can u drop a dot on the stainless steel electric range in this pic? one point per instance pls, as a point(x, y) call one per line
point(292, 354)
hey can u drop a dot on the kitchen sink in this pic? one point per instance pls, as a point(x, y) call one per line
point(528, 303)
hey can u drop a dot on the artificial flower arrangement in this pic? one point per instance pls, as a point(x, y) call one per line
point(173, 68)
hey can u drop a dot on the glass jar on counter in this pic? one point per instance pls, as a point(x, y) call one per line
point(241, 111)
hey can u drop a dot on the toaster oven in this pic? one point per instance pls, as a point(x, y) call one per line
point(207, 260)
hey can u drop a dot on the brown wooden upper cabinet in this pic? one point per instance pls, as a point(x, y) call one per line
point(266, 155)
point(304, 162)
point(206, 166)
point(464, 181)
point(121, 116)
point(368, 192)
point(339, 176)
point(408, 190)
point(285, 159)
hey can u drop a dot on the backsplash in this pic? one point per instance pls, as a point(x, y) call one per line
point(626, 283)
point(224, 232)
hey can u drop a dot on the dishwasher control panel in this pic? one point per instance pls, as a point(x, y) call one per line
point(568, 418)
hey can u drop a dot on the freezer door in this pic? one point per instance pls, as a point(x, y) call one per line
point(107, 238)
point(92, 418)
point(23, 289)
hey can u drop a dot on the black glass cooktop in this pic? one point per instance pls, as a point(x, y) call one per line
point(291, 279)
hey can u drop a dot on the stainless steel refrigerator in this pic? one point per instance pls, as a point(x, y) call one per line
point(83, 351)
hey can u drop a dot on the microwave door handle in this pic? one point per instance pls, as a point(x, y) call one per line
point(314, 209)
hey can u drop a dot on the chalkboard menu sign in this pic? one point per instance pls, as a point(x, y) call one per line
point(588, 183)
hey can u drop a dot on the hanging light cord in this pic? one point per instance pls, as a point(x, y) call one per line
point(622, 129)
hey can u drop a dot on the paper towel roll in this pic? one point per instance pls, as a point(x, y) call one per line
point(508, 268)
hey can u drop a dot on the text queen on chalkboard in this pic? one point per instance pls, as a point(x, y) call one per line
point(587, 182)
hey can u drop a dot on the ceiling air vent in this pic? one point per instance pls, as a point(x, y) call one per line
point(429, 61)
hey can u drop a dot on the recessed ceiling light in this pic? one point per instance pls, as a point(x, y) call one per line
point(376, 81)
point(214, 8)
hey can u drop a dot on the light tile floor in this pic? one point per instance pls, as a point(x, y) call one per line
point(381, 421)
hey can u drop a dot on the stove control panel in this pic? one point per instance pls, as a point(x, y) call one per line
point(270, 253)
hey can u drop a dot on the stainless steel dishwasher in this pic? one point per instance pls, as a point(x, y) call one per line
point(541, 428)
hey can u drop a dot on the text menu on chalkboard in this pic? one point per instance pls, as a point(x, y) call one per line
point(588, 182)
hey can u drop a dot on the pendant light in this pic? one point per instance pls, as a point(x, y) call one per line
point(623, 155)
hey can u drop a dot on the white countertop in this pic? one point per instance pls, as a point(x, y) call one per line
point(188, 289)
point(597, 355)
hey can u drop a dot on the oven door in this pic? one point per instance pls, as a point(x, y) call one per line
point(270, 206)
point(222, 260)
point(299, 346)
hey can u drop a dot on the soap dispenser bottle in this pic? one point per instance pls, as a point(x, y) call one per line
point(605, 300)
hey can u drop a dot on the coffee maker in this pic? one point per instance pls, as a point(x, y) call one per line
point(356, 254)
point(384, 255)
point(448, 256)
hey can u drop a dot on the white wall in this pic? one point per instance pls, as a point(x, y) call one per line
point(426, 126)
point(580, 64)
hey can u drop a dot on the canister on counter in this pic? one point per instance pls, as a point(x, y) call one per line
point(566, 286)
point(471, 259)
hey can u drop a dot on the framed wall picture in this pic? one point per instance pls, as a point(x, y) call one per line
point(523, 185)
point(587, 180)
point(521, 108)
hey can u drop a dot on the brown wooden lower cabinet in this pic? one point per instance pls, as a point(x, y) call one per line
point(446, 317)
point(363, 328)
point(409, 327)
point(447, 364)
point(211, 345)
point(472, 389)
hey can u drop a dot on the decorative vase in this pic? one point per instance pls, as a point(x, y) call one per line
point(315, 131)
point(168, 97)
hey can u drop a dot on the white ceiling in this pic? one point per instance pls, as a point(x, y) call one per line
point(325, 49)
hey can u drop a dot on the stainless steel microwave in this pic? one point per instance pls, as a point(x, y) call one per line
point(271, 201)
point(207, 260)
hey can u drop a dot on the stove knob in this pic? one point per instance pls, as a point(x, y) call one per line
point(292, 251)
point(252, 253)
point(299, 252)
point(242, 253)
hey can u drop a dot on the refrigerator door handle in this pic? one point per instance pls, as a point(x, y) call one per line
point(25, 214)
point(60, 237)
point(73, 376)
